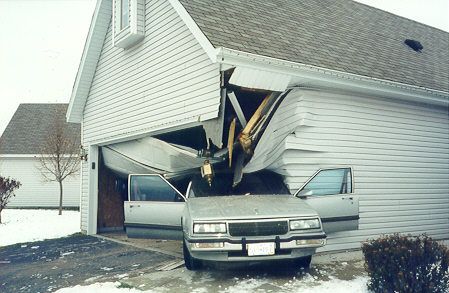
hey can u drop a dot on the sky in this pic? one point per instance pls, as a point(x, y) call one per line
point(41, 42)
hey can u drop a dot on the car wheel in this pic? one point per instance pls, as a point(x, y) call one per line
point(304, 262)
point(191, 263)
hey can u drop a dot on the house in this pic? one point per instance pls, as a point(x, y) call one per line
point(20, 149)
point(369, 91)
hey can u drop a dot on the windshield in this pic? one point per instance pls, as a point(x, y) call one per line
point(254, 183)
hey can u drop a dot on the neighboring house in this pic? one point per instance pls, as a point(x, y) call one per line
point(20, 149)
point(372, 95)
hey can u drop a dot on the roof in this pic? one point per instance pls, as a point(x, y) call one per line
point(31, 125)
point(340, 35)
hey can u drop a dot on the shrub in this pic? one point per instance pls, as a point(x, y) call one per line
point(406, 264)
point(7, 188)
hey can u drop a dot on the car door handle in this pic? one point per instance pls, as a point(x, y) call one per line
point(134, 205)
point(348, 198)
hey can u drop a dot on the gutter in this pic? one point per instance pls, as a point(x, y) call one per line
point(314, 76)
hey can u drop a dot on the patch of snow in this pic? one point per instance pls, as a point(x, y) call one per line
point(67, 253)
point(22, 225)
point(35, 247)
point(306, 285)
point(121, 276)
point(93, 279)
point(107, 269)
point(108, 287)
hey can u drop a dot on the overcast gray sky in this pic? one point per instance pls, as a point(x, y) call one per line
point(41, 42)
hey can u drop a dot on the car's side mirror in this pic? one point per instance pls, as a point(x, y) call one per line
point(304, 193)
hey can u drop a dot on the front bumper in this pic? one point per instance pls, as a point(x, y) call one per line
point(236, 248)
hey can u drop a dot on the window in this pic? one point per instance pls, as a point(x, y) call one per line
point(152, 188)
point(328, 182)
point(128, 22)
point(124, 20)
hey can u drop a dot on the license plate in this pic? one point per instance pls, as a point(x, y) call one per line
point(255, 249)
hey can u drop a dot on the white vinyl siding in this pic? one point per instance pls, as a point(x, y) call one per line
point(399, 152)
point(35, 191)
point(166, 81)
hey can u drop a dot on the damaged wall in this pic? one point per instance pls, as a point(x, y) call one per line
point(399, 152)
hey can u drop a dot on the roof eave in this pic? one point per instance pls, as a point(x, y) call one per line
point(313, 76)
point(89, 59)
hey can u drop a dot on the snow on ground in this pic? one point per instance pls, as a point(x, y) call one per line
point(22, 225)
point(306, 285)
point(108, 287)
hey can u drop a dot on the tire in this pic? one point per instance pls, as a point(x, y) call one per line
point(304, 262)
point(191, 263)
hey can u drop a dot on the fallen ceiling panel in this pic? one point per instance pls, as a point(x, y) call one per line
point(151, 155)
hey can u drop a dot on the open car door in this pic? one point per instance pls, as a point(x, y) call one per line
point(331, 193)
point(154, 208)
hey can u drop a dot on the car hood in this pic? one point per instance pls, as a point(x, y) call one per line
point(247, 207)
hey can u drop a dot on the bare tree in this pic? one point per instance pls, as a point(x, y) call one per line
point(7, 188)
point(59, 156)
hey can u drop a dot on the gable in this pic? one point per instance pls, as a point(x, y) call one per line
point(167, 80)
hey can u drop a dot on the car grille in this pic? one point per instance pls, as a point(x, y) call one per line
point(258, 228)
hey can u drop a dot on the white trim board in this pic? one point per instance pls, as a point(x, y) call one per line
point(92, 210)
point(89, 59)
point(312, 76)
point(182, 124)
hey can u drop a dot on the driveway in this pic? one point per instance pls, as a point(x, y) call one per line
point(46, 266)
point(336, 273)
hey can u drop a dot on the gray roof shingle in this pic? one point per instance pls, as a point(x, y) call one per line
point(336, 34)
point(31, 125)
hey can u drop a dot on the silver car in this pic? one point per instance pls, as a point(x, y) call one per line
point(242, 227)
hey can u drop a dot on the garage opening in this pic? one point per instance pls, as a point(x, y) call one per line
point(112, 192)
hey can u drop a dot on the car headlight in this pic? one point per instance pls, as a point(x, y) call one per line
point(305, 224)
point(209, 228)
